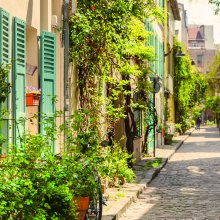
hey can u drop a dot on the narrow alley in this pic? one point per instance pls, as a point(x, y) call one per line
point(189, 185)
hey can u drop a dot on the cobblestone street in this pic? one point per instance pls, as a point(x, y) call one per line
point(189, 185)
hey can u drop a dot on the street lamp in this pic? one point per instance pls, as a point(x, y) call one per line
point(179, 53)
point(156, 87)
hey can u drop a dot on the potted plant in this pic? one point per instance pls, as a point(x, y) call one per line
point(32, 96)
point(168, 139)
point(82, 182)
point(36, 188)
point(178, 129)
point(159, 128)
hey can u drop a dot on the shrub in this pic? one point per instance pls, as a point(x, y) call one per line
point(114, 165)
point(178, 128)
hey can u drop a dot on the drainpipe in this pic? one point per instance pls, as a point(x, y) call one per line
point(165, 70)
point(66, 58)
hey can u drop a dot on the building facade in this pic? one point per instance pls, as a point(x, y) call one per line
point(181, 26)
point(31, 42)
point(201, 46)
point(172, 9)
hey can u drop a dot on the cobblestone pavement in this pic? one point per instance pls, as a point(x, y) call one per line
point(189, 185)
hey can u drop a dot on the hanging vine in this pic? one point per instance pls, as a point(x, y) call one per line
point(189, 88)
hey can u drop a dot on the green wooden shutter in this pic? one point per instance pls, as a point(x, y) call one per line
point(152, 44)
point(156, 55)
point(4, 58)
point(161, 3)
point(161, 60)
point(19, 78)
point(48, 77)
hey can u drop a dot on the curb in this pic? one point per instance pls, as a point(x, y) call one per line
point(142, 185)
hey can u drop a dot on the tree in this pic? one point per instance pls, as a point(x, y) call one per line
point(213, 80)
point(213, 77)
point(217, 3)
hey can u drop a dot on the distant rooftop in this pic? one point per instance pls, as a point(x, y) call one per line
point(194, 33)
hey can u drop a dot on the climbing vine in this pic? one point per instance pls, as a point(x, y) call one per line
point(4, 84)
point(189, 88)
point(107, 44)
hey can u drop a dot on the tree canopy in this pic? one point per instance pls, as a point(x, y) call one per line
point(217, 4)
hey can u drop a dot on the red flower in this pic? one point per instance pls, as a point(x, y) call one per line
point(93, 8)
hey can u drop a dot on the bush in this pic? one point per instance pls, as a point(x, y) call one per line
point(178, 128)
point(114, 165)
point(32, 188)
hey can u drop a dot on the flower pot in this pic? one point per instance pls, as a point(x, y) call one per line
point(32, 99)
point(2, 156)
point(82, 203)
point(168, 139)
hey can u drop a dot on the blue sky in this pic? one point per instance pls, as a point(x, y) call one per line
point(201, 12)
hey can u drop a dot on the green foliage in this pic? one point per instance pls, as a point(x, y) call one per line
point(189, 89)
point(34, 185)
point(107, 44)
point(210, 122)
point(212, 103)
point(178, 128)
point(217, 4)
point(213, 77)
point(113, 165)
point(2, 140)
point(153, 163)
point(4, 85)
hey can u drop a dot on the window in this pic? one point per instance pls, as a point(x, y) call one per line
point(4, 58)
point(199, 58)
point(19, 78)
point(48, 78)
point(193, 44)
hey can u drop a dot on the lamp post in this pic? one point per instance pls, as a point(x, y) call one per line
point(165, 94)
point(156, 86)
point(179, 53)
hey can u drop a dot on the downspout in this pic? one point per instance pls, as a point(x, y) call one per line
point(165, 70)
point(66, 60)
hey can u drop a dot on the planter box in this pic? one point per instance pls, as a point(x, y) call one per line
point(168, 139)
point(32, 99)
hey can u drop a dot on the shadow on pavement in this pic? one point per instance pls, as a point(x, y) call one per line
point(189, 185)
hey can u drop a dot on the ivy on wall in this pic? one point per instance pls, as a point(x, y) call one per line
point(107, 45)
point(189, 88)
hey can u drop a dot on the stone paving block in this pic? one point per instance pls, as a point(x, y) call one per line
point(188, 187)
point(117, 205)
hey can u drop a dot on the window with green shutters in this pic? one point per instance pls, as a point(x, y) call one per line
point(4, 59)
point(151, 40)
point(161, 60)
point(47, 77)
point(19, 78)
point(157, 55)
point(4, 36)
point(161, 3)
